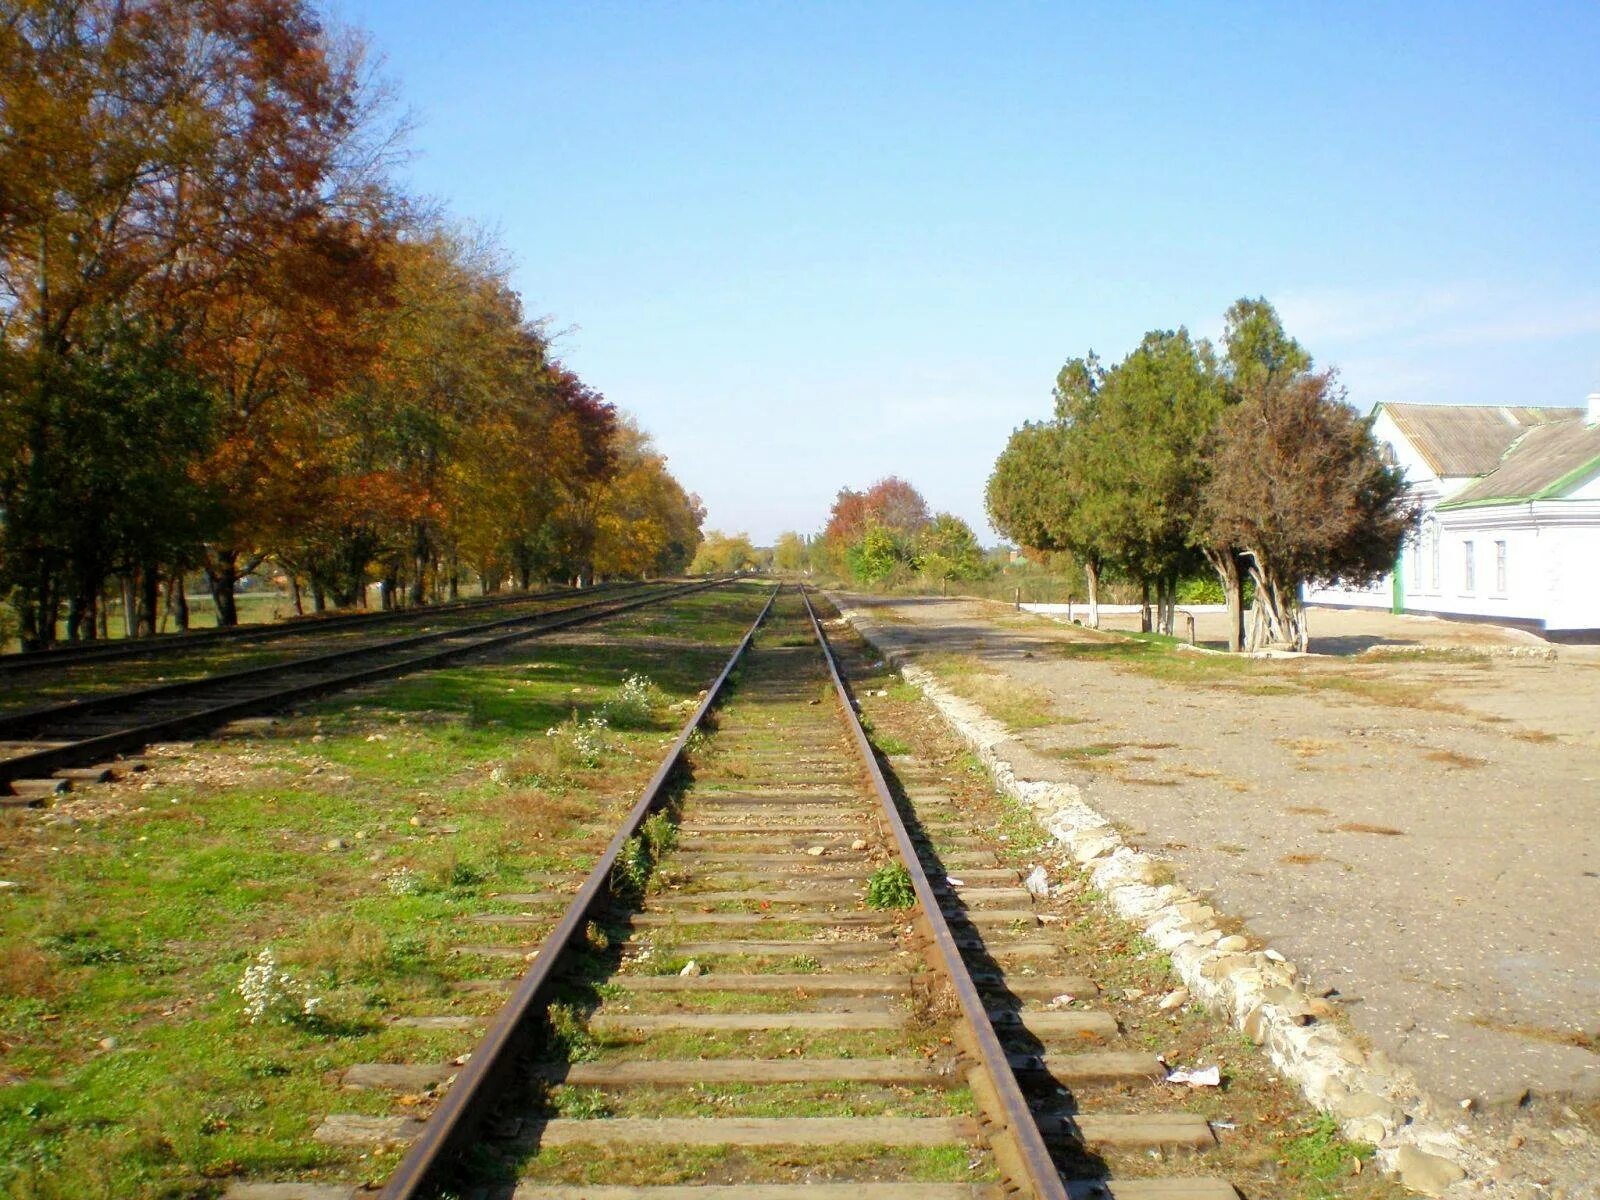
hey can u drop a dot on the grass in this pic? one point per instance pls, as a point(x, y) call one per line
point(356, 840)
point(1155, 657)
point(1016, 706)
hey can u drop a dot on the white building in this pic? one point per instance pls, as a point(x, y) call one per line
point(1511, 516)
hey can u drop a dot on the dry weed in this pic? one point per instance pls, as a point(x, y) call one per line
point(1301, 860)
point(1454, 758)
point(25, 971)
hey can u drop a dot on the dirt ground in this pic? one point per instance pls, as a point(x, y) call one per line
point(1421, 831)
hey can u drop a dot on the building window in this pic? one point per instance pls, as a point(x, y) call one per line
point(1500, 568)
point(1433, 552)
point(1469, 573)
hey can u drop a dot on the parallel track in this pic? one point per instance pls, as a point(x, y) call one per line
point(71, 654)
point(796, 986)
point(37, 743)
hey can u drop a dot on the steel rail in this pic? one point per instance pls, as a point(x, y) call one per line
point(466, 1104)
point(99, 748)
point(71, 654)
point(1015, 1117)
point(23, 721)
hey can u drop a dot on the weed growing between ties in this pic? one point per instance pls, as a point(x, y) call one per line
point(890, 887)
point(355, 843)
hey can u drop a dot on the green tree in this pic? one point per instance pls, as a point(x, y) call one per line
point(946, 548)
point(879, 553)
point(1140, 460)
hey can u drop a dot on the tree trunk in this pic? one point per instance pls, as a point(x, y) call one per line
point(1091, 571)
point(1226, 564)
point(1278, 618)
point(223, 576)
point(319, 598)
point(294, 594)
point(130, 627)
point(149, 596)
point(179, 604)
point(1144, 605)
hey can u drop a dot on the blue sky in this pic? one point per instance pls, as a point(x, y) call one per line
point(810, 244)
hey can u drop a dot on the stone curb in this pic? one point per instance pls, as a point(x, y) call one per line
point(1373, 1098)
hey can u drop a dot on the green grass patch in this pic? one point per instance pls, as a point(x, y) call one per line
point(355, 841)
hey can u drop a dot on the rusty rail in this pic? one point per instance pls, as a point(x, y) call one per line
point(1031, 1158)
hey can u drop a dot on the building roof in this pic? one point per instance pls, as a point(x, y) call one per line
point(1548, 462)
point(1468, 439)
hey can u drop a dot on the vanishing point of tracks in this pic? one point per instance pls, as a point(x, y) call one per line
point(747, 1027)
point(43, 749)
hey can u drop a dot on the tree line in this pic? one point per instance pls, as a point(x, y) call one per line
point(1180, 458)
point(228, 338)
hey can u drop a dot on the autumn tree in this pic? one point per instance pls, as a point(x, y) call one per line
point(890, 513)
point(791, 553)
point(1300, 485)
point(1257, 353)
point(646, 523)
point(162, 161)
point(723, 554)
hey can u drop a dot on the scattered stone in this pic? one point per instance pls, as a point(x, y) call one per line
point(417, 821)
point(816, 851)
point(1274, 955)
point(1037, 882)
point(107, 1043)
point(1424, 1172)
point(1173, 1000)
point(1234, 942)
point(335, 844)
point(859, 844)
point(692, 970)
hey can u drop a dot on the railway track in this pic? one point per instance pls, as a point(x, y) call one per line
point(43, 750)
point(745, 1026)
point(71, 654)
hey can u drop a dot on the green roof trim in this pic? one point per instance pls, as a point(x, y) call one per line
point(1571, 481)
point(1555, 490)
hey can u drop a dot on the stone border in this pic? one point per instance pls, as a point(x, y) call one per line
point(1373, 1098)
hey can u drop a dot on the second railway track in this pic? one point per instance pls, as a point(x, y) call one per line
point(745, 1025)
point(42, 749)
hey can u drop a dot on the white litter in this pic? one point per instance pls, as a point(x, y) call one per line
point(1037, 882)
point(954, 882)
point(1273, 954)
point(691, 969)
point(1199, 1077)
point(1062, 1000)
